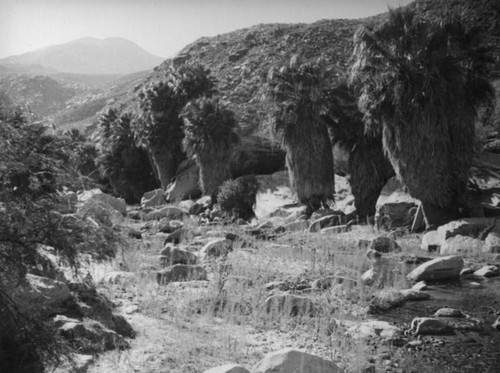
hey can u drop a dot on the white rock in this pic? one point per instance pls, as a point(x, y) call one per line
point(487, 271)
point(431, 241)
point(370, 329)
point(441, 268)
point(463, 245)
point(294, 361)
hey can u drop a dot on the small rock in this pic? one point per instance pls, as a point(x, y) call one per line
point(431, 241)
point(181, 272)
point(492, 243)
point(179, 235)
point(487, 271)
point(449, 312)
point(290, 360)
point(216, 248)
point(371, 329)
point(369, 277)
point(228, 368)
point(441, 268)
point(421, 285)
point(414, 344)
point(429, 326)
point(383, 244)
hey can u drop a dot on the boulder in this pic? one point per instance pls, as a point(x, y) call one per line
point(470, 227)
point(153, 198)
point(49, 295)
point(85, 195)
point(496, 324)
point(186, 182)
point(216, 248)
point(290, 360)
point(169, 226)
point(487, 271)
point(181, 272)
point(116, 203)
point(463, 245)
point(431, 241)
point(442, 268)
point(291, 304)
point(371, 329)
point(274, 193)
point(92, 337)
point(200, 205)
point(492, 243)
point(171, 212)
point(449, 312)
point(387, 299)
point(369, 277)
point(171, 255)
point(383, 244)
point(395, 207)
point(430, 326)
point(228, 368)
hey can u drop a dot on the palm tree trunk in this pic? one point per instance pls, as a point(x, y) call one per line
point(214, 170)
point(164, 163)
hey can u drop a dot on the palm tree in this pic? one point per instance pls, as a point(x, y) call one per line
point(296, 92)
point(419, 85)
point(159, 127)
point(368, 169)
point(210, 135)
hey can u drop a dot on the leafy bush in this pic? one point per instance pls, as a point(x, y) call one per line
point(35, 166)
point(237, 197)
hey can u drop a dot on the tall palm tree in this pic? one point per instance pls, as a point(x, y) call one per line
point(210, 135)
point(368, 169)
point(296, 92)
point(159, 127)
point(419, 86)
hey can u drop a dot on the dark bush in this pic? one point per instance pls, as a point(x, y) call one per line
point(237, 197)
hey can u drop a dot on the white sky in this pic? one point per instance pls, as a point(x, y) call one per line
point(162, 27)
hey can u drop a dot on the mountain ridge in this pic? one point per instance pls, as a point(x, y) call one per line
point(88, 56)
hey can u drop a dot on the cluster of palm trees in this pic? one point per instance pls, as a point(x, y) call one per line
point(414, 85)
point(418, 85)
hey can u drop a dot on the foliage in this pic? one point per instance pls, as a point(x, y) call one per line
point(297, 92)
point(120, 160)
point(35, 167)
point(237, 197)
point(419, 85)
point(210, 135)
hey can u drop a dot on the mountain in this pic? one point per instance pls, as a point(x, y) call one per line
point(88, 56)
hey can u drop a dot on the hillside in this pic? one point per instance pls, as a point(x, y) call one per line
point(241, 59)
point(88, 56)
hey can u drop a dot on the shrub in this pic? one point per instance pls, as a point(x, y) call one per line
point(237, 197)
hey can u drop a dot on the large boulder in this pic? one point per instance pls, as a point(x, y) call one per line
point(116, 203)
point(181, 272)
point(290, 360)
point(442, 268)
point(185, 183)
point(45, 294)
point(153, 198)
point(395, 207)
point(91, 336)
point(470, 227)
point(462, 245)
point(274, 193)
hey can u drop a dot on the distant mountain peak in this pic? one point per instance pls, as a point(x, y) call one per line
point(89, 55)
